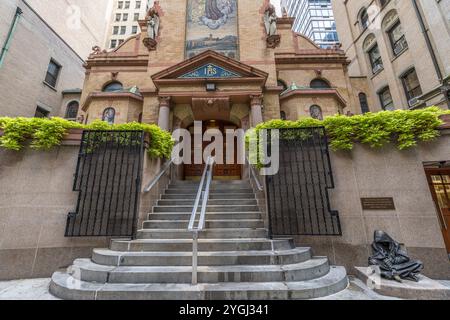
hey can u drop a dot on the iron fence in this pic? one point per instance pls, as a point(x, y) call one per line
point(298, 200)
point(108, 179)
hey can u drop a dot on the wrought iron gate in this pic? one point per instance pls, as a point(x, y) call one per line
point(108, 179)
point(298, 201)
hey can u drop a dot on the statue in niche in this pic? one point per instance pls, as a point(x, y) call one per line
point(270, 23)
point(270, 20)
point(393, 261)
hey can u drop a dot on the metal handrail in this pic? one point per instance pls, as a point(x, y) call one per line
point(158, 177)
point(207, 174)
point(252, 174)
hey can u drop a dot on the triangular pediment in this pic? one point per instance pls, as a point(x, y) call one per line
point(210, 65)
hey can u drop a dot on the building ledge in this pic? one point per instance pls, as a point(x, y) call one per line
point(313, 92)
point(109, 95)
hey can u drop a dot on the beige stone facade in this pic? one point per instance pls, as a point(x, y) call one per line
point(33, 45)
point(283, 76)
point(408, 36)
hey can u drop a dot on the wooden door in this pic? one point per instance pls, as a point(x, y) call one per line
point(439, 182)
point(221, 171)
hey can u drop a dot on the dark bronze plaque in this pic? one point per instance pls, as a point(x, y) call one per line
point(378, 203)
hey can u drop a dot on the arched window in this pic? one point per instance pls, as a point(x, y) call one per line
point(319, 84)
point(363, 103)
point(140, 118)
point(316, 112)
point(113, 86)
point(72, 110)
point(109, 115)
point(364, 18)
point(283, 115)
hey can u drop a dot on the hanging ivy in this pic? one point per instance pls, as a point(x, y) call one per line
point(405, 128)
point(47, 133)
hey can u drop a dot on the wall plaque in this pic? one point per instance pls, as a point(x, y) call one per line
point(378, 203)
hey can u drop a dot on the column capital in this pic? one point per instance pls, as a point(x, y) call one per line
point(164, 101)
point(256, 100)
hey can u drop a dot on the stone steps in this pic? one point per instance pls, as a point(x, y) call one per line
point(66, 287)
point(178, 191)
point(205, 234)
point(209, 224)
point(209, 216)
point(307, 270)
point(205, 258)
point(185, 245)
point(212, 196)
point(236, 260)
point(209, 208)
point(213, 187)
point(211, 202)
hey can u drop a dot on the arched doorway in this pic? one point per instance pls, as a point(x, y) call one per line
point(223, 171)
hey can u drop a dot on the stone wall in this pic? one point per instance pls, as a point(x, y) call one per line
point(35, 197)
point(386, 172)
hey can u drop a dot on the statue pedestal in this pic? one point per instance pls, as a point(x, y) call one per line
point(150, 43)
point(273, 41)
point(425, 289)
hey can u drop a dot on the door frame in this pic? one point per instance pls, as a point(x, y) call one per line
point(445, 226)
point(220, 125)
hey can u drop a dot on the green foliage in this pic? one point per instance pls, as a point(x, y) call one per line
point(404, 128)
point(47, 133)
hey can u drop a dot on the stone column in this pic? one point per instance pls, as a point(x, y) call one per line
point(164, 113)
point(256, 103)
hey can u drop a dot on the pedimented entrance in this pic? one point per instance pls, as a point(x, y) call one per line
point(221, 92)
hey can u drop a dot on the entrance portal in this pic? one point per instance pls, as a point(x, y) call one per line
point(221, 171)
point(439, 182)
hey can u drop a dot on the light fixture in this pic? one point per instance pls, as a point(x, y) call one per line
point(211, 87)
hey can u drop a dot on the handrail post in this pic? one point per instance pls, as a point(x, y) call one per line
point(194, 257)
point(252, 174)
point(206, 177)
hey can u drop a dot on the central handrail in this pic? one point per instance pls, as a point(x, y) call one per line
point(207, 175)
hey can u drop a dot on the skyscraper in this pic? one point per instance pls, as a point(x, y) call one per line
point(124, 20)
point(314, 19)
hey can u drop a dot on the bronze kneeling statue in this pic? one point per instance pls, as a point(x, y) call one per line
point(393, 261)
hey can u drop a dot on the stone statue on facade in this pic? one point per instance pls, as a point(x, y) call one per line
point(153, 24)
point(270, 23)
point(97, 50)
point(392, 260)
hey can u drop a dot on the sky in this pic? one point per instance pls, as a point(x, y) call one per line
point(277, 4)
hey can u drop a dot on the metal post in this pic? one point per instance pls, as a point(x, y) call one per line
point(194, 257)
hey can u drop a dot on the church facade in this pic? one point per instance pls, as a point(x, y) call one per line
point(232, 62)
